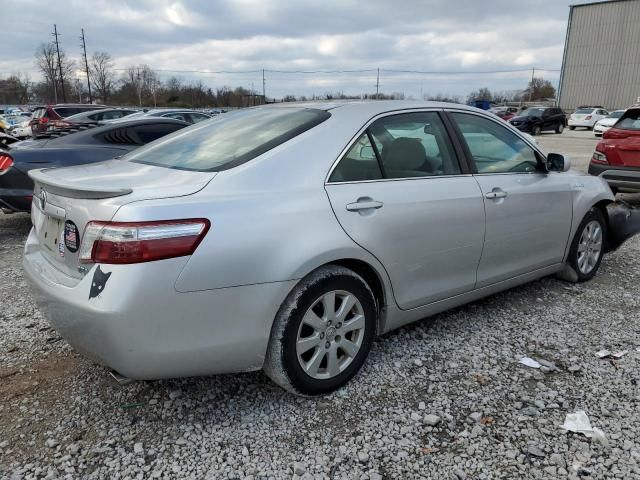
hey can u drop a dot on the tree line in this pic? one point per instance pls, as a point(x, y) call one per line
point(136, 85)
point(140, 85)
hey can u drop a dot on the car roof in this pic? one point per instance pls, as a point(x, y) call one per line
point(371, 106)
point(93, 112)
point(86, 136)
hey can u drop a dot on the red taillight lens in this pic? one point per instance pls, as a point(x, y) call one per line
point(43, 119)
point(588, 117)
point(137, 242)
point(6, 162)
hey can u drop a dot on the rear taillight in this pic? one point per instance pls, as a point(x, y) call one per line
point(43, 120)
point(6, 162)
point(600, 158)
point(136, 242)
point(588, 117)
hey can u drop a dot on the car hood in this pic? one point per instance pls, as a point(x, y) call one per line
point(522, 119)
point(608, 122)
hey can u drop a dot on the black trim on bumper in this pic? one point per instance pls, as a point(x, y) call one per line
point(624, 223)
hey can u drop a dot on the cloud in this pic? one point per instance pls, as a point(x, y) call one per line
point(426, 35)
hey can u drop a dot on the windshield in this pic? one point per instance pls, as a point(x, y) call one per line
point(532, 112)
point(616, 114)
point(630, 120)
point(227, 141)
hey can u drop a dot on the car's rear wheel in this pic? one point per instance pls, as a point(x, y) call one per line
point(572, 128)
point(560, 128)
point(535, 130)
point(322, 333)
point(588, 246)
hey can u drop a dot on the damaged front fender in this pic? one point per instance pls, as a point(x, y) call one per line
point(624, 223)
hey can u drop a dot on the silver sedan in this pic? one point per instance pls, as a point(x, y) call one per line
point(287, 237)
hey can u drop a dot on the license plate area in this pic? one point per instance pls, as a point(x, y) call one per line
point(51, 235)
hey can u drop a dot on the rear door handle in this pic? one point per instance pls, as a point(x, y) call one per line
point(496, 193)
point(363, 204)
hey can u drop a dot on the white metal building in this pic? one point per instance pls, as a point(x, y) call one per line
point(601, 61)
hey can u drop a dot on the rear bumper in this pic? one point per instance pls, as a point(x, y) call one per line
point(581, 123)
point(624, 223)
point(15, 200)
point(620, 177)
point(140, 326)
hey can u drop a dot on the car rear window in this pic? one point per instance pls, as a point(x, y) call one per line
point(228, 141)
point(584, 110)
point(630, 120)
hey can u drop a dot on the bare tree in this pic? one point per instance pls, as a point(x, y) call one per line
point(102, 75)
point(46, 62)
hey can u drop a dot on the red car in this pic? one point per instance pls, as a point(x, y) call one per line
point(52, 114)
point(617, 155)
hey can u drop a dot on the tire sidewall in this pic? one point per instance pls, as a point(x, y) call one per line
point(536, 130)
point(593, 214)
point(302, 382)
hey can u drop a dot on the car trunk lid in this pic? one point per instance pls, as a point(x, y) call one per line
point(66, 199)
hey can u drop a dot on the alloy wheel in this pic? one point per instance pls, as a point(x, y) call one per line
point(589, 247)
point(330, 334)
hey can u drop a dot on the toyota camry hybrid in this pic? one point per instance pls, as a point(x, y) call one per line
point(286, 237)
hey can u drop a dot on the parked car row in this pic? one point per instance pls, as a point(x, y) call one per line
point(76, 148)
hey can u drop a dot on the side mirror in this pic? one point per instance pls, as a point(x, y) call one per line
point(557, 162)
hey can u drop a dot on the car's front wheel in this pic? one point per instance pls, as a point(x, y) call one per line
point(535, 130)
point(588, 245)
point(322, 333)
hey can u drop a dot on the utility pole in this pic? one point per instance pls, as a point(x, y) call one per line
point(86, 64)
point(264, 95)
point(55, 34)
point(533, 73)
point(139, 85)
point(377, 83)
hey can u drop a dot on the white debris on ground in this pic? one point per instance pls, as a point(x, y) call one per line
point(445, 398)
point(579, 423)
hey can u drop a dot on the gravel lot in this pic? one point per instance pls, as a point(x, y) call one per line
point(443, 398)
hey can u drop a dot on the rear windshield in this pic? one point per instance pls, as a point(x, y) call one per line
point(630, 120)
point(584, 110)
point(224, 142)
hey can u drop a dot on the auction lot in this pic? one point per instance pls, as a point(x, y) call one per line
point(442, 398)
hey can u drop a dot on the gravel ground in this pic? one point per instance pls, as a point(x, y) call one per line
point(443, 398)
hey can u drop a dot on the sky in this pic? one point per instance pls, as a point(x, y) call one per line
point(343, 42)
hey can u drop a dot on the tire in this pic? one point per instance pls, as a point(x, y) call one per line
point(572, 128)
point(535, 130)
point(587, 266)
point(560, 128)
point(589, 128)
point(309, 372)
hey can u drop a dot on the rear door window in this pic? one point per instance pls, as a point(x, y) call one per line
point(231, 139)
